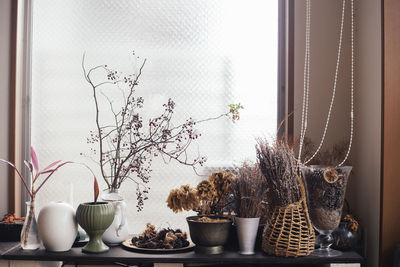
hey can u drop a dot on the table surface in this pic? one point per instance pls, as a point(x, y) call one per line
point(119, 254)
point(7, 246)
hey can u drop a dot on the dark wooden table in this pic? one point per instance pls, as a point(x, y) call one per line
point(120, 255)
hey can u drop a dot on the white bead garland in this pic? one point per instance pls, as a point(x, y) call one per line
point(304, 117)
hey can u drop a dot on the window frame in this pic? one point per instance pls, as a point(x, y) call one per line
point(20, 101)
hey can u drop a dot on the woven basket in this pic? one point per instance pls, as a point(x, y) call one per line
point(289, 232)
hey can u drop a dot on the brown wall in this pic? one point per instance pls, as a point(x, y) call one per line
point(5, 33)
point(390, 230)
point(364, 185)
point(364, 189)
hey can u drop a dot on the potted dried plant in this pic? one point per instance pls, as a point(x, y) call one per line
point(29, 233)
point(209, 230)
point(126, 144)
point(95, 217)
point(249, 193)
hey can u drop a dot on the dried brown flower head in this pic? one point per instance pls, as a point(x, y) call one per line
point(170, 237)
point(149, 231)
point(352, 223)
point(222, 181)
point(331, 175)
point(184, 198)
point(209, 197)
point(206, 190)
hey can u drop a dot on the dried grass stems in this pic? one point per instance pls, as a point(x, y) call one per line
point(249, 191)
point(278, 165)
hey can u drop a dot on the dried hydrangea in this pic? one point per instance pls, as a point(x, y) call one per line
point(209, 197)
point(184, 198)
point(222, 181)
point(206, 190)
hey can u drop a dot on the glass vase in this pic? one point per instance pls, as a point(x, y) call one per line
point(29, 233)
point(326, 189)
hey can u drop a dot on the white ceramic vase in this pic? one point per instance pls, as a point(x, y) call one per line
point(118, 230)
point(247, 229)
point(57, 226)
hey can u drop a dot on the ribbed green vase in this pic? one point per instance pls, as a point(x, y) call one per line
point(95, 218)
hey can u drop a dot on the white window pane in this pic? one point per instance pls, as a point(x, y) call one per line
point(204, 54)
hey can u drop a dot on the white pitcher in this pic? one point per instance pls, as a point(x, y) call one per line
point(118, 230)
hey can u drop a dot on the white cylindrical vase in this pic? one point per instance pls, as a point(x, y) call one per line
point(247, 229)
point(57, 226)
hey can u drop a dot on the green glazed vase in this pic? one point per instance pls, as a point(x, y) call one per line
point(95, 218)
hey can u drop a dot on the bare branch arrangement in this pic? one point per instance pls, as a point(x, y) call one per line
point(249, 191)
point(127, 145)
point(278, 165)
point(210, 197)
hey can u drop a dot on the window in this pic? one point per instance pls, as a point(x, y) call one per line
point(202, 54)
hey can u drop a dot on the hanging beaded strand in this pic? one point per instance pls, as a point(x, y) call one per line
point(351, 85)
point(306, 81)
point(306, 84)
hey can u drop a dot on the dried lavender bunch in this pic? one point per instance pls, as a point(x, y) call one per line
point(249, 191)
point(278, 165)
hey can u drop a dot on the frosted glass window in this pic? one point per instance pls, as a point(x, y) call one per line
point(204, 54)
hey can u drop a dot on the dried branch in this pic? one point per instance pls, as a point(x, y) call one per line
point(127, 146)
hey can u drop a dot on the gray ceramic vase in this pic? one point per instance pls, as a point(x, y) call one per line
point(95, 218)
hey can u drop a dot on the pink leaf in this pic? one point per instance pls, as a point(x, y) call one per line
point(34, 159)
point(51, 165)
point(51, 172)
point(48, 171)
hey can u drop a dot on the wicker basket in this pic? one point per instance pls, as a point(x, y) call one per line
point(289, 232)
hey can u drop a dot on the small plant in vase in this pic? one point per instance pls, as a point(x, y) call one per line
point(29, 233)
point(249, 193)
point(210, 229)
point(126, 145)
